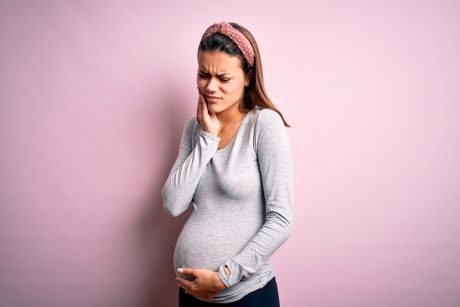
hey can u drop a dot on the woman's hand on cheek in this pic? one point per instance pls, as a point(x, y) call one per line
point(206, 284)
point(208, 120)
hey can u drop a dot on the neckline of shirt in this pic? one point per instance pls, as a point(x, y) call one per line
point(237, 132)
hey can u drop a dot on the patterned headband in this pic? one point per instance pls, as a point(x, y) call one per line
point(240, 40)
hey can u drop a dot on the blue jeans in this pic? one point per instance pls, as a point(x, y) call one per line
point(266, 296)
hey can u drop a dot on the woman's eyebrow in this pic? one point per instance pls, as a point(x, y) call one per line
point(220, 74)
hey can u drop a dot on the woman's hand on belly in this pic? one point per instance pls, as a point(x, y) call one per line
point(206, 284)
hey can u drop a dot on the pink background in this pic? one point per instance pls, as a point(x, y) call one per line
point(94, 96)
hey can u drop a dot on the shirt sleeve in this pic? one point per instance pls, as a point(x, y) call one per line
point(186, 172)
point(275, 163)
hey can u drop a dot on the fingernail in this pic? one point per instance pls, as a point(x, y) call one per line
point(180, 270)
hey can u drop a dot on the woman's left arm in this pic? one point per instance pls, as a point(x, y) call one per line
point(275, 163)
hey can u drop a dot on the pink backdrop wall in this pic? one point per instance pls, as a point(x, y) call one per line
point(93, 98)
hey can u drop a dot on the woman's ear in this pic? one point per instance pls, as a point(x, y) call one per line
point(248, 78)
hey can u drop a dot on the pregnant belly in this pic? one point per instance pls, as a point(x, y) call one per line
point(207, 242)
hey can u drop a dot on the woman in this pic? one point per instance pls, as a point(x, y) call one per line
point(234, 166)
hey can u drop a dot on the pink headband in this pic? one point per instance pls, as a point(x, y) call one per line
point(240, 40)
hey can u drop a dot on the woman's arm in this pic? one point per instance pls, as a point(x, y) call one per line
point(186, 172)
point(275, 163)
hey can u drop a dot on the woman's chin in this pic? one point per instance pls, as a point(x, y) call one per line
point(214, 108)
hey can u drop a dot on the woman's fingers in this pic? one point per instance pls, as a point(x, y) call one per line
point(208, 120)
point(184, 284)
point(188, 271)
point(198, 109)
point(203, 113)
point(204, 109)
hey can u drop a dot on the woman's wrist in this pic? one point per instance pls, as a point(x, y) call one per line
point(218, 282)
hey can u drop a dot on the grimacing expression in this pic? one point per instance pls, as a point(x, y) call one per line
point(221, 75)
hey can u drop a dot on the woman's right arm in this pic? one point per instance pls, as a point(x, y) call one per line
point(186, 172)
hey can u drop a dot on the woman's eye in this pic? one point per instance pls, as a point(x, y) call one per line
point(205, 76)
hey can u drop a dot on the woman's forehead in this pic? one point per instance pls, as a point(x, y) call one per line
point(218, 60)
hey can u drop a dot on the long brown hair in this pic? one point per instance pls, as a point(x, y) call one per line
point(254, 93)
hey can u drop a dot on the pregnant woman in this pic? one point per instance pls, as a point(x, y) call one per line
point(234, 166)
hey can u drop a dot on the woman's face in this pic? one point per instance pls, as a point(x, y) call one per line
point(220, 75)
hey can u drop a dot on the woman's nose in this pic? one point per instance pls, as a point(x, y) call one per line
point(211, 86)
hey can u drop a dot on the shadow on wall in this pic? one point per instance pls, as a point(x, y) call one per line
point(156, 230)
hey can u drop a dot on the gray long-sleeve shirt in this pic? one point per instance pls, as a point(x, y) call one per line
point(242, 197)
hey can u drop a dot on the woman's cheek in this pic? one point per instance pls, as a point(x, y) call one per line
point(228, 89)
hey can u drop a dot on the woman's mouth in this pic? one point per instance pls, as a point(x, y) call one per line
point(212, 99)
